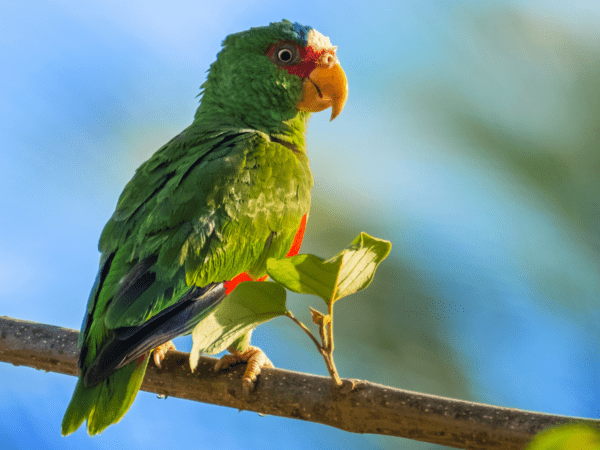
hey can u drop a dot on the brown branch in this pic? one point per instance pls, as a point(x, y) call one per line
point(359, 406)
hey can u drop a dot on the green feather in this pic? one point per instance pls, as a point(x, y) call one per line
point(106, 403)
point(216, 201)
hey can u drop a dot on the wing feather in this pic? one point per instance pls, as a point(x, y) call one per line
point(204, 209)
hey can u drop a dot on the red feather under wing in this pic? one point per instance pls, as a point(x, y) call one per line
point(294, 249)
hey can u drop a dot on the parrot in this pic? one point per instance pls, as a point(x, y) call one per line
point(204, 213)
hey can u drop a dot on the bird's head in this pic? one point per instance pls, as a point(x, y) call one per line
point(269, 75)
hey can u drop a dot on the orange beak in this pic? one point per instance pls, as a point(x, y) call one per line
point(325, 86)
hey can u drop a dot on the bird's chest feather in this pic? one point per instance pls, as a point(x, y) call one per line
point(257, 215)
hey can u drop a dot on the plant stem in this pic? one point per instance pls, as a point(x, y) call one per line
point(333, 373)
point(324, 349)
point(306, 330)
point(331, 365)
point(330, 330)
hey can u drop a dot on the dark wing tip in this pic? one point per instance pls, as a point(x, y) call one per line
point(129, 343)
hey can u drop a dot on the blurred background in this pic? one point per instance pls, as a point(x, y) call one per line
point(470, 140)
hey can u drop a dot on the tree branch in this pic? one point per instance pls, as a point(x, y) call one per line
point(359, 406)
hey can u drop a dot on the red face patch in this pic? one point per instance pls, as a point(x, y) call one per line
point(307, 57)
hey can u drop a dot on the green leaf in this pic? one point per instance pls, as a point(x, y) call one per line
point(350, 271)
point(306, 274)
point(250, 304)
point(360, 261)
point(567, 437)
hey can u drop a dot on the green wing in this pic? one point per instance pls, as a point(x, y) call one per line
point(203, 209)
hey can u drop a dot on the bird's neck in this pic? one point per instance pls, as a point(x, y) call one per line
point(292, 131)
point(289, 129)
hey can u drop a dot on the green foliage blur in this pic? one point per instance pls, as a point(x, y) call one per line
point(567, 437)
point(522, 99)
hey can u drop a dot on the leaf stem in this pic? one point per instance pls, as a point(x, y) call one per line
point(306, 330)
point(333, 373)
point(324, 349)
point(330, 329)
point(331, 365)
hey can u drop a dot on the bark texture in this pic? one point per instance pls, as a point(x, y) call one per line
point(358, 406)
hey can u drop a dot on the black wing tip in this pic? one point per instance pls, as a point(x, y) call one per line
point(108, 361)
point(129, 343)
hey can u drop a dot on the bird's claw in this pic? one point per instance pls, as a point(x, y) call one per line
point(161, 351)
point(256, 360)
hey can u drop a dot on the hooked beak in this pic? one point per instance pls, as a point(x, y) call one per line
point(325, 86)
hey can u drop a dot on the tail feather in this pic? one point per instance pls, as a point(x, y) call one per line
point(113, 361)
point(107, 402)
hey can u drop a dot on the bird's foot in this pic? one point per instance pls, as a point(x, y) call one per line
point(256, 359)
point(161, 351)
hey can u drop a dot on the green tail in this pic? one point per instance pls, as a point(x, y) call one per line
point(105, 403)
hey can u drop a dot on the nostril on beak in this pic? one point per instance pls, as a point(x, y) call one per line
point(328, 60)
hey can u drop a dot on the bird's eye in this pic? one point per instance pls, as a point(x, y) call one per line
point(285, 55)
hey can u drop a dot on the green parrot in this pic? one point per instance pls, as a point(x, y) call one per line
point(205, 212)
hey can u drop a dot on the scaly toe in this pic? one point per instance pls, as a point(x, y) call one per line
point(161, 351)
point(256, 359)
point(226, 361)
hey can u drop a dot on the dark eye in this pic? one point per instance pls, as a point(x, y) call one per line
point(285, 54)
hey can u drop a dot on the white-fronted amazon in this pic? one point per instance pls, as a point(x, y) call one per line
point(205, 211)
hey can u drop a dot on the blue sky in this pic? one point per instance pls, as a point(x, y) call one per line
point(90, 89)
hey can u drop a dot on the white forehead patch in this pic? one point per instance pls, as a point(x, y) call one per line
point(319, 42)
